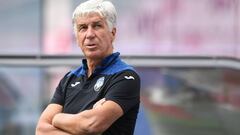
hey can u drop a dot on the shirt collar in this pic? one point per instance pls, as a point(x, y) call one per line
point(104, 64)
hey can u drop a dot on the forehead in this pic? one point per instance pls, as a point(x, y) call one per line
point(90, 18)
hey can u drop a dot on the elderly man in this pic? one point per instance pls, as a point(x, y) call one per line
point(102, 95)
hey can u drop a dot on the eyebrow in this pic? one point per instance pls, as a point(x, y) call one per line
point(82, 24)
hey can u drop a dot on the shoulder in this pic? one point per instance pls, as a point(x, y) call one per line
point(118, 67)
point(77, 72)
point(71, 75)
point(128, 74)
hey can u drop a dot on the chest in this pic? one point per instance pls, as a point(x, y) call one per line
point(82, 93)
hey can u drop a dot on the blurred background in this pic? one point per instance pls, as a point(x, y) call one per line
point(186, 52)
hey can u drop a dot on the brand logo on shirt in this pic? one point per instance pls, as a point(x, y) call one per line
point(99, 84)
point(129, 77)
point(75, 84)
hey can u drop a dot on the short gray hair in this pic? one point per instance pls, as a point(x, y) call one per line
point(104, 8)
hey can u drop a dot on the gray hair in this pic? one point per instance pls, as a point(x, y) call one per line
point(104, 8)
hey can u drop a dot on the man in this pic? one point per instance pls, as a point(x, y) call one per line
point(102, 95)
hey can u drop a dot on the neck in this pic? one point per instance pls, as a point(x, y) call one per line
point(92, 64)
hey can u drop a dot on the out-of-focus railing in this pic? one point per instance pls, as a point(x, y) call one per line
point(138, 61)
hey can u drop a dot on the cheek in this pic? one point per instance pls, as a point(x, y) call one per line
point(79, 41)
point(109, 39)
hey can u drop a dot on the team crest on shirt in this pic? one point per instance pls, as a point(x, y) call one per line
point(99, 84)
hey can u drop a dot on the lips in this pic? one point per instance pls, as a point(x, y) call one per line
point(90, 46)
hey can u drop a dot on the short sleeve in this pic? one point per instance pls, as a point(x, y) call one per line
point(124, 90)
point(59, 94)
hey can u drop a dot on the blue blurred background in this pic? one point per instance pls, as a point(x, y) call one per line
point(186, 52)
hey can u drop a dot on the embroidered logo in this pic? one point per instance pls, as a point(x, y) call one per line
point(99, 84)
point(129, 77)
point(75, 84)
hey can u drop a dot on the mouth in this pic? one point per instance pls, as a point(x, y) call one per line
point(91, 46)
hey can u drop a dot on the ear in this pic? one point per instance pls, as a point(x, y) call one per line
point(114, 30)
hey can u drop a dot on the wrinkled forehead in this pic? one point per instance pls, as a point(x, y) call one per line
point(89, 18)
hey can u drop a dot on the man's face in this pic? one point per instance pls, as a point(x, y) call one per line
point(94, 37)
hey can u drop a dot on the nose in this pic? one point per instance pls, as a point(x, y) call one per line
point(90, 33)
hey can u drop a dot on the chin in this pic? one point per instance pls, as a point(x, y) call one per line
point(93, 56)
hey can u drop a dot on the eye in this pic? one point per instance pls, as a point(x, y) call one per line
point(97, 25)
point(82, 28)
